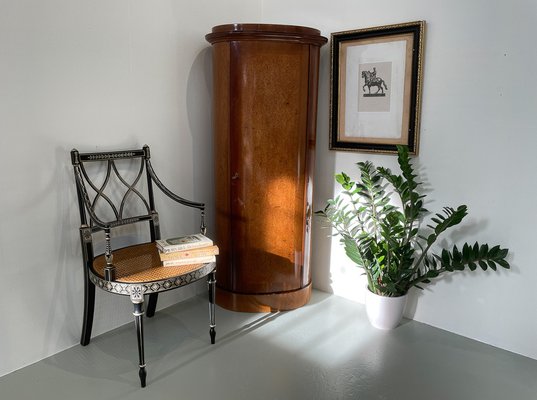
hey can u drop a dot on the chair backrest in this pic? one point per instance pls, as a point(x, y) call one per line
point(109, 183)
point(116, 188)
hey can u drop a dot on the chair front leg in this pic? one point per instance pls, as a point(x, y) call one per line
point(137, 299)
point(89, 287)
point(211, 280)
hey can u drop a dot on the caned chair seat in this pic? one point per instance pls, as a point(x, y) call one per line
point(141, 264)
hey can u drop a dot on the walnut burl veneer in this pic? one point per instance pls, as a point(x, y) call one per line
point(265, 106)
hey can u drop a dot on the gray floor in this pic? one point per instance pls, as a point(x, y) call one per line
point(326, 350)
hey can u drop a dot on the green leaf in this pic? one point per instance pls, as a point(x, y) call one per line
point(353, 252)
point(450, 218)
point(503, 263)
point(457, 256)
point(432, 274)
point(445, 257)
point(494, 251)
point(342, 178)
point(502, 253)
point(483, 250)
point(465, 253)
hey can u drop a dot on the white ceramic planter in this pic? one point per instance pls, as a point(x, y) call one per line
point(384, 312)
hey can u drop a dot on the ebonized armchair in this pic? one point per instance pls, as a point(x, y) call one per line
point(115, 189)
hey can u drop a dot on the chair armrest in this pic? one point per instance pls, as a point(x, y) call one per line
point(169, 193)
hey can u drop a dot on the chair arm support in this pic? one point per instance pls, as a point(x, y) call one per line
point(169, 193)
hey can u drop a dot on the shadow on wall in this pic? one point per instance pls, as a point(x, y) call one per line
point(325, 161)
point(68, 281)
point(199, 114)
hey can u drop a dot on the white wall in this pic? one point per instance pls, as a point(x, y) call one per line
point(478, 143)
point(105, 74)
point(100, 74)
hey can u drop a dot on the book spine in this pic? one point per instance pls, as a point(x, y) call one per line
point(200, 252)
point(181, 247)
point(188, 261)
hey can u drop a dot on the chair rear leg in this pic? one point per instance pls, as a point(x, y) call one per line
point(211, 280)
point(151, 305)
point(138, 323)
point(89, 307)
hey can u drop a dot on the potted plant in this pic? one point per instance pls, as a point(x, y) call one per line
point(385, 236)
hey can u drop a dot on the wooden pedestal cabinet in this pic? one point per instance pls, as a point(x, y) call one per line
point(265, 105)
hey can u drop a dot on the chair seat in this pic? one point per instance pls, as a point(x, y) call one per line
point(141, 264)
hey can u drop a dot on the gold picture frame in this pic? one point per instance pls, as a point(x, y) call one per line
point(375, 88)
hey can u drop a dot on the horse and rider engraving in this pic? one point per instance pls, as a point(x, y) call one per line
point(371, 79)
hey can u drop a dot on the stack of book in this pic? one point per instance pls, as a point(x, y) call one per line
point(186, 250)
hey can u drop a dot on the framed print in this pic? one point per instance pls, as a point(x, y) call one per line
point(375, 79)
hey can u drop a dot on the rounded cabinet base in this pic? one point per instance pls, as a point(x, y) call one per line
point(263, 302)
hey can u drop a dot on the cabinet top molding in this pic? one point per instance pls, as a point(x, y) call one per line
point(232, 32)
